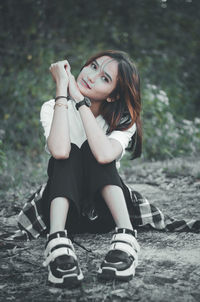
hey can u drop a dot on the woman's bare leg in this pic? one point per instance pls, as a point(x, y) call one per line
point(114, 198)
point(58, 214)
point(59, 252)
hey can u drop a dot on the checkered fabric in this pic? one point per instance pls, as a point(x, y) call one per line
point(31, 224)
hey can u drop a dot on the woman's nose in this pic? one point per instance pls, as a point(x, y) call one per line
point(91, 77)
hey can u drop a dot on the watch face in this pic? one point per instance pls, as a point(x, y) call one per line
point(87, 102)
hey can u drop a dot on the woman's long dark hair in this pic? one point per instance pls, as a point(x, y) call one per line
point(125, 110)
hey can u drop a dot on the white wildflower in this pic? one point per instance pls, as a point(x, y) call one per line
point(152, 87)
point(187, 122)
point(197, 120)
point(163, 99)
point(151, 96)
point(170, 118)
point(162, 92)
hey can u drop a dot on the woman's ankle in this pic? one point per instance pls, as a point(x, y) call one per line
point(56, 230)
point(57, 234)
point(125, 226)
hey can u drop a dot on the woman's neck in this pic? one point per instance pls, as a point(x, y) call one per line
point(95, 108)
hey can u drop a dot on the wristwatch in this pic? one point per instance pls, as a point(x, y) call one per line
point(86, 101)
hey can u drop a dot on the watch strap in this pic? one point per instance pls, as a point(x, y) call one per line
point(83, 102)
point(79, 104)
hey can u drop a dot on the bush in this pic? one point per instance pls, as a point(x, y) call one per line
point(166, 135)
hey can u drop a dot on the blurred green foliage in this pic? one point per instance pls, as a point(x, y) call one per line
point(161, 36)
point(3, 159)
point(167, 135)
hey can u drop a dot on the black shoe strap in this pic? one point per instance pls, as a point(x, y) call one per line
point(126, 231)
point(57, 235)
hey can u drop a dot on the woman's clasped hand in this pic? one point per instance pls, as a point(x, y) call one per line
point(61, 74)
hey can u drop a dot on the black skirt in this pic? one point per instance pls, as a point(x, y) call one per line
point(80, 179)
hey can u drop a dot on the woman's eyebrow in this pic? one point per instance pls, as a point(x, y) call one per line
point(95, 61)
point(108, 76)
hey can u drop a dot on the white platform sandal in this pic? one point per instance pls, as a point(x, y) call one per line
point(62, 262)
point(122, 257)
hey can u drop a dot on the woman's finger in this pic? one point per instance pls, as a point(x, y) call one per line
point(61, 63)
point(69, 72)
point(67, 65)
point(64, 63)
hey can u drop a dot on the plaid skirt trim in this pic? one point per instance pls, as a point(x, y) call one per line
point(143, 213)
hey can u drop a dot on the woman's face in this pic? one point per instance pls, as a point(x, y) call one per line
point(98, 79)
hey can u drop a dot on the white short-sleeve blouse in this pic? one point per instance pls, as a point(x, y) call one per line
point(77, 132)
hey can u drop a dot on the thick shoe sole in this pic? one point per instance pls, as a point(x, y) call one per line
point(110, 273)
point(67, 281)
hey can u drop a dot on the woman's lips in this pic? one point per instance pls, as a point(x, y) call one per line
point(85, 84)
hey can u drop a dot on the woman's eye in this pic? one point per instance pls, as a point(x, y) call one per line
point(93, 65)
point(105, 79)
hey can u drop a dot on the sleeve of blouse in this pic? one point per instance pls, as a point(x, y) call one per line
point(46, 116)
point(123, 137)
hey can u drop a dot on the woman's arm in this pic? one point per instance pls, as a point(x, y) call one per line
point(105, 150)
point(58, 140)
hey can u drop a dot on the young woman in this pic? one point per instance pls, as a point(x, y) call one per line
point(88, 126)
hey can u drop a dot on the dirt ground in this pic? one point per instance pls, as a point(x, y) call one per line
point(169, 263)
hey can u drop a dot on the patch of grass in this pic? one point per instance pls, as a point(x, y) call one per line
point(22, 174)
point(182, 167)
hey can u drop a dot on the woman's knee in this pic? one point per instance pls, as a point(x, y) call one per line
point(111, 190)
point(91, 163)
point(73, 162)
